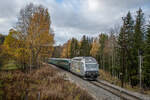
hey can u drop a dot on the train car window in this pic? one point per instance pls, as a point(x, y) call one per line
point(90, 60)
point(89, 66)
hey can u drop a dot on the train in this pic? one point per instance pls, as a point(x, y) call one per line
point(60, 62)
point(86, 67)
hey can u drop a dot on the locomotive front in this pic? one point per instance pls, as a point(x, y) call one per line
point(91, 68)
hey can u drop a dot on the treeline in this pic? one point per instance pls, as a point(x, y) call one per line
point(117, 52)
point(75, 48)
point(30, 41)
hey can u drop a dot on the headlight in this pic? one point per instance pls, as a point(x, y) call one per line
point(96, 72)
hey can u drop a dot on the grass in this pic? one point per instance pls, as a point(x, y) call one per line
point(107, 77)
point(1, 91)
point(113, 80)
point(1, 84)
point(45, 81)
point(9, 66)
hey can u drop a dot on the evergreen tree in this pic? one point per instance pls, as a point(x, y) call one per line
point(125, 43)
point(85, 46)
point(74, 51)
point(102, 41)
point(146, 67)
point(137, 44)
point(121, 52)
point(129, 32)
point(89, 45)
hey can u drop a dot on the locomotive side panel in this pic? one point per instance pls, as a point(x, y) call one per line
point(77, 67)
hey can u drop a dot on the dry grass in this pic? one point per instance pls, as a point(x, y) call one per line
point(46, 82)
point(113, 80)
point(107, 77)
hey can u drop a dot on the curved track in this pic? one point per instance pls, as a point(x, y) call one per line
point(123, 95)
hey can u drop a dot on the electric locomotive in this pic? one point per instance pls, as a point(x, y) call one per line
point(87, 67)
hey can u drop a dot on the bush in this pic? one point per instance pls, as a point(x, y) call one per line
point(45, 82)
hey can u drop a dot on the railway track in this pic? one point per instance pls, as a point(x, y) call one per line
point(122, 94)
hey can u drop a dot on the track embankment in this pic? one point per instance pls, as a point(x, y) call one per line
point(102, 90)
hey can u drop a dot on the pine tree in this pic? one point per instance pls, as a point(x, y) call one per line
point(85, 46)
point(74, 51)
point(146, 67)
point(102, 41)
point(121, 42)
point(125, 43)
point(129, 32)
point(137, 44)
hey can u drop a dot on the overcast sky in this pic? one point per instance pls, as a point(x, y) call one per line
point(74, 18)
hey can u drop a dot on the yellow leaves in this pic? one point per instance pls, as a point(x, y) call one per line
point(22, 55)
point(66, 50)
point(39, 29)
point(95, 48)
point(40, 39)
point(11, 42)
point(64, 53)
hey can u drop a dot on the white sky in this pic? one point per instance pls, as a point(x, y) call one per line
point(75, 18)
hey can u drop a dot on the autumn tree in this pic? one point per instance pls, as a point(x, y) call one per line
point(12, 42)
point(2, 38)
point(40, 39)
point(95, 48)
point(57, 51)
point(24, 20)
point(32, 39)
point(66, 50)
point(15, 48)
point(4, 56)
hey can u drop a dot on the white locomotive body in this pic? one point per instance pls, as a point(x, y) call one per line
point(86, 67)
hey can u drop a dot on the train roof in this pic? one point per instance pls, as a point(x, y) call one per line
point(87, 59)
point(82, 57)
point(60, 59)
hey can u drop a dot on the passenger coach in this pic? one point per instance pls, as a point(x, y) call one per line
point(61, 62)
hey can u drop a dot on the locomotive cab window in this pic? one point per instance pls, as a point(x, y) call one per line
point(90, 60)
